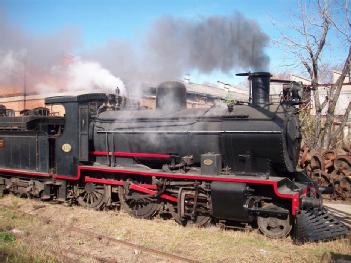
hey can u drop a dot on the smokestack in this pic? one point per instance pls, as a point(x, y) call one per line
point(260, 87)
point(170, 96)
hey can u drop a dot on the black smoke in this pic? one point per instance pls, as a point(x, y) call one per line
point(213, 43)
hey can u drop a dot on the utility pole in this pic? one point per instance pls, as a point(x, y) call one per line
point(24, 85)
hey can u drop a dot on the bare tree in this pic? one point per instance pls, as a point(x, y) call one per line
point(308, 45)
point(326, 72)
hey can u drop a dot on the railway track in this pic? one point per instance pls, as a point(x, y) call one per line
point(72, 256)
point(66, 254)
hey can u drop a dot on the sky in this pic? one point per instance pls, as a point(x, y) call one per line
point(98, 22)
point(101, 20)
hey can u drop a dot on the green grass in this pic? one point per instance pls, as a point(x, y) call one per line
point(9, 249)
point(7, 237)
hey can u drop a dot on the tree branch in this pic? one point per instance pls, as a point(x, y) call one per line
point(343, 122)
point(326, 26)
point(324, 103)
point(334, 99)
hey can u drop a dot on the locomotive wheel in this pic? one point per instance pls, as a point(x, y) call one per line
point(274, 227)
point(93, 196)
point(137, 205)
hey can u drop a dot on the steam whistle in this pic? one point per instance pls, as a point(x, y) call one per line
point(117, 91)
point(119, 99)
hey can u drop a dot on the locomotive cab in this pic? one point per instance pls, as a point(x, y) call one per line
point(73, 145)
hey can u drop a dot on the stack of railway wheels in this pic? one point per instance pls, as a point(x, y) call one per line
point(330, 170)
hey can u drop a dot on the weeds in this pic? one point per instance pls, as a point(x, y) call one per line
point(7, 237)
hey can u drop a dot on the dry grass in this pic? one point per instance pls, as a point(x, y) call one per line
point(16, 250)
point(205, 245)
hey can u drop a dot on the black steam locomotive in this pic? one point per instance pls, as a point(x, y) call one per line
point(228, 164)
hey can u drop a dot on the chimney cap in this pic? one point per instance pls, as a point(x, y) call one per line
point(255, 74)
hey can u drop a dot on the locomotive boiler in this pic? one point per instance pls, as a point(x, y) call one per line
point(259, 138)
point(228, 164)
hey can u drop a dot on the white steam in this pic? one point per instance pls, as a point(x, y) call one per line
point(91, 76)
point(82, 77)
point(9, 65)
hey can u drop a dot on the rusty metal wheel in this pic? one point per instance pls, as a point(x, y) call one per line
point(343, 165)
point(137, 204)
point(328, 159)
point(94, 196)
point(343, 188)
point(322, 179)
point(317, 162)
point(274, 227)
